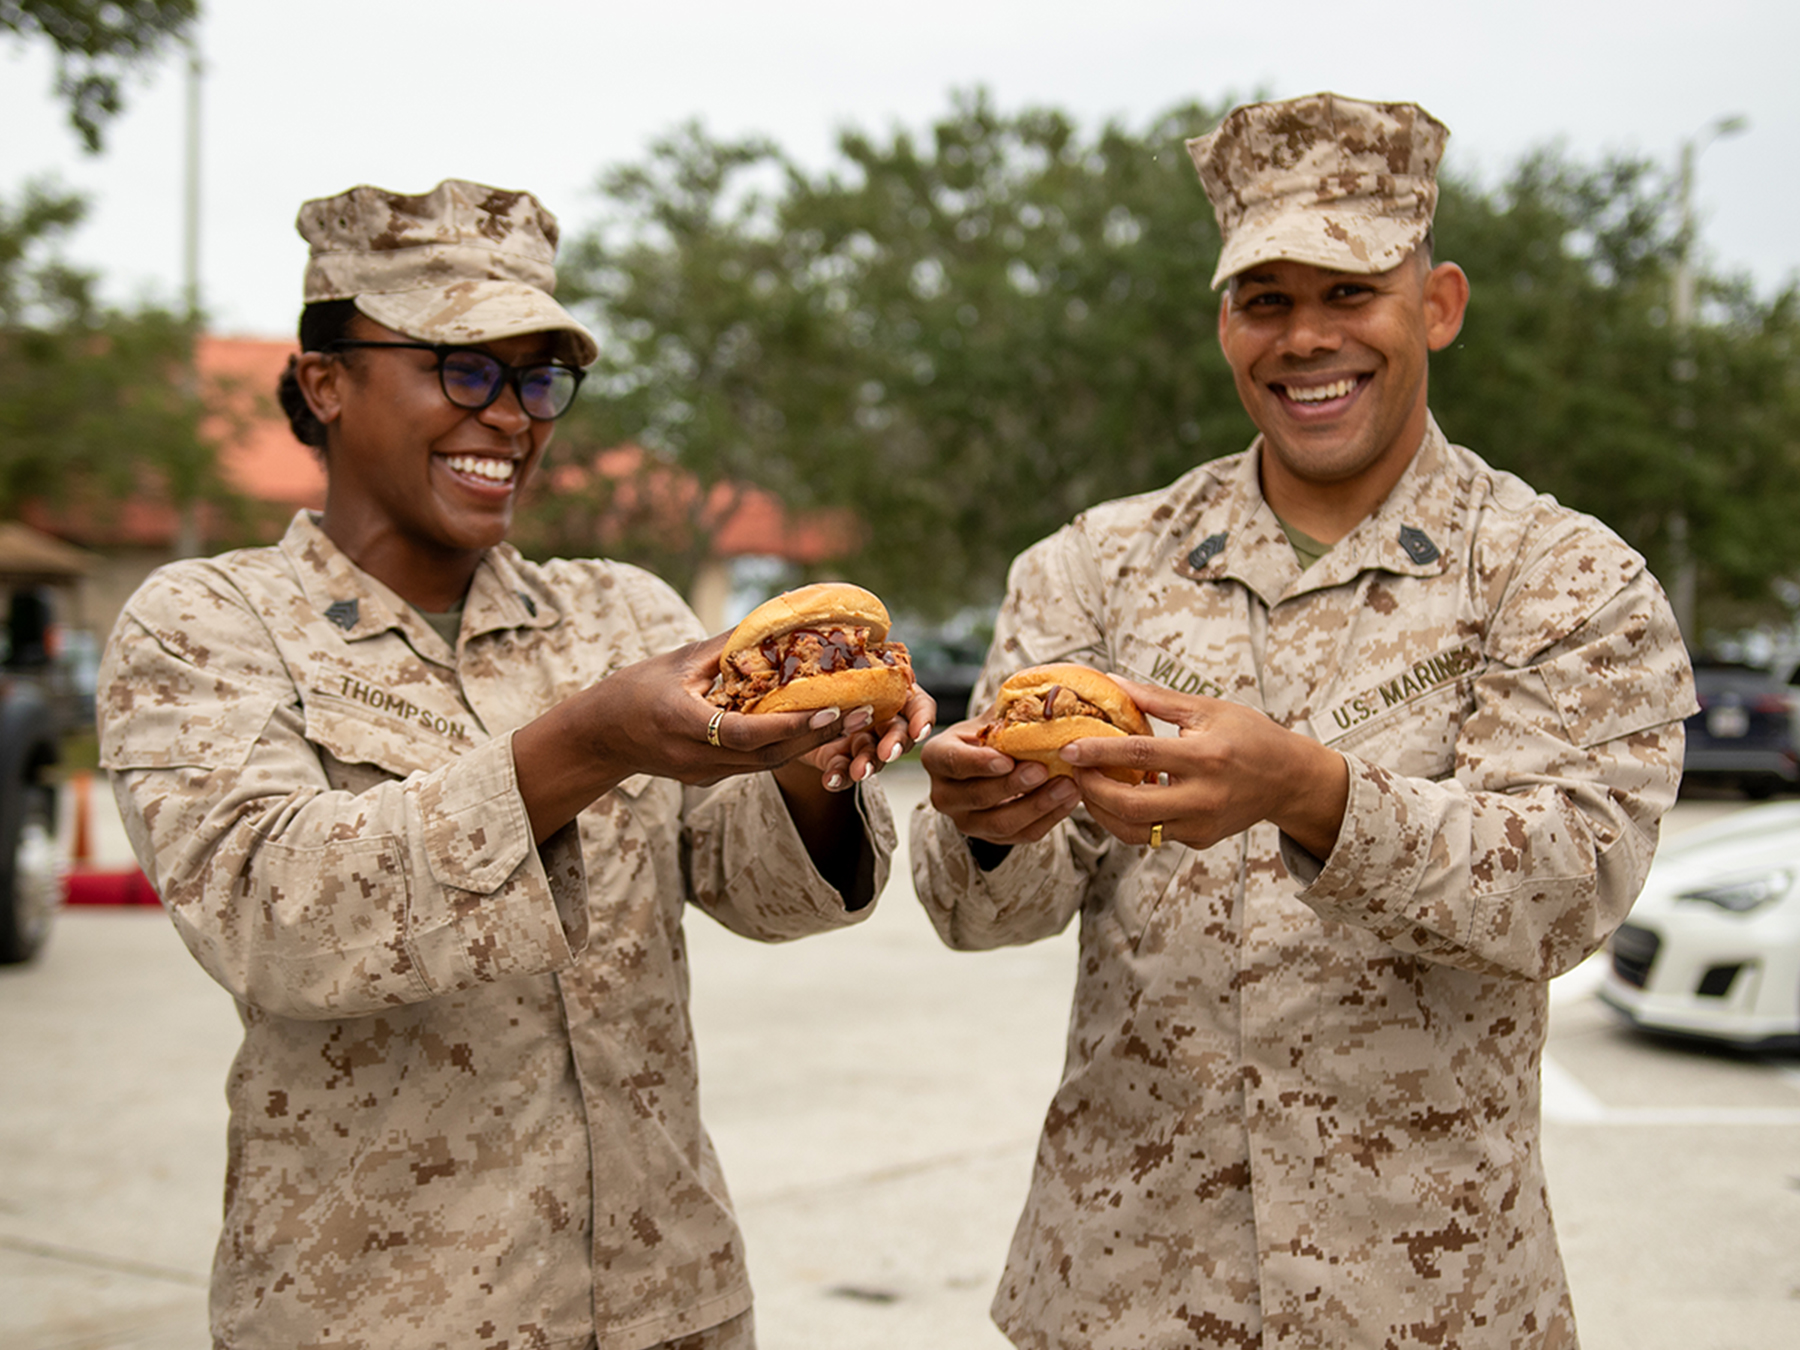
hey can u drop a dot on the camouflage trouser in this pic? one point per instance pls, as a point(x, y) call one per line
point(737, 1334)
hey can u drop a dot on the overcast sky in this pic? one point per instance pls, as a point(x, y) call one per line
point(304, 100)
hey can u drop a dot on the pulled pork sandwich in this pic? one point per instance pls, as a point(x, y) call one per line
point(821, 646)
point(1041, 709)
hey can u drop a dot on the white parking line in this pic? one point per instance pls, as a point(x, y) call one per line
point(1582, 982)
point(1567, 1102)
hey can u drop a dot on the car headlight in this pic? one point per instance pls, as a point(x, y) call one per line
point(1744, 894)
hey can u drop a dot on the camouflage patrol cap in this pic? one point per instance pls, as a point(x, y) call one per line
point(463, 263)
point(1326, 180)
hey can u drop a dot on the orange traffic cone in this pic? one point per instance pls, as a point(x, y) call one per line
point(81, 843)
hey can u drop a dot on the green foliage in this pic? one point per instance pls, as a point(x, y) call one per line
point(969, 335)
point(92, 400)
point(97, 42)
point(1031, 330)
point(1571, 373)
point(965, 340)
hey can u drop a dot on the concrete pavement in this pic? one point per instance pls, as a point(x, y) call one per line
point(875, 1099)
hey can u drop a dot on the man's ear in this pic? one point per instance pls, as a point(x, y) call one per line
point(320, 378)
point(1224, 311)
point(1446, 301)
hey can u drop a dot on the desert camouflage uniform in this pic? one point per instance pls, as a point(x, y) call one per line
point(465, 1112)
point(1301, 1101)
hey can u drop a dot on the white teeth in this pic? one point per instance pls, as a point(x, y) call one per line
point(1320, 393)
point(497, 470)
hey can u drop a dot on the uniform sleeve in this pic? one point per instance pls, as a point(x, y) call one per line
point(1533, 852)
point(748, 868)
point(299, 899)
point(1051, 613)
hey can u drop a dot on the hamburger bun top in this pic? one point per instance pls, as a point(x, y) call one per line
point(820, 605)
point(1084, 682)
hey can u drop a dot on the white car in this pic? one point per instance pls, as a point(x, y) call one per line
point(1712, 947)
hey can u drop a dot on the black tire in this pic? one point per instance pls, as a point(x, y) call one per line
point(30, 877)
point(30, 870)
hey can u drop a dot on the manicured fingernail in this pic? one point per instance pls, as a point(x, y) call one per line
point(859, 719)
point(893, 752)
point(825, 717)
point(833, 783)
point(867, 769)
point(924, 734)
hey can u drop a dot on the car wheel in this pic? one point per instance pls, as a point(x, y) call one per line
point(30, 874)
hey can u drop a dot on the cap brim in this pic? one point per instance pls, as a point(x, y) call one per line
point(1337, 240)
point(469, 312)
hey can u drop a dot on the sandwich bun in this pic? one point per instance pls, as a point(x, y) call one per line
point(883, 688)
point(820, 605)
point(824, 606)
point(1041, 740)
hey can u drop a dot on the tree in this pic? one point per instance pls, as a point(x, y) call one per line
point(92, 400)
point(963, 341)
point(715, 357)
point(1033, 328)
point(1570, 372)
point(969, 336)
point(97, 42)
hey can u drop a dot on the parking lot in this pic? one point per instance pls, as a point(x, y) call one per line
point(875, 1099)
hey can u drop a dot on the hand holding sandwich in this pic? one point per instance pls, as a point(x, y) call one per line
point(817, 648)
point(1227, 768)
point(1003, 779)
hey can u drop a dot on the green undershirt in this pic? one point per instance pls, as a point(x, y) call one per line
point(446, 625)
point(1307, 549)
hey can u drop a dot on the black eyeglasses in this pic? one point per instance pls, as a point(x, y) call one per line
point(473, 379)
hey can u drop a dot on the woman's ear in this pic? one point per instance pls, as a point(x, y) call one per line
point(320, 378)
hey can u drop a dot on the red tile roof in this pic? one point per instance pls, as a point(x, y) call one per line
point(741, 519)
point(258, 454)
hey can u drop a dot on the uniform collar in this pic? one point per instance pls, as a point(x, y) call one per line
point(359, 606)
point(1238, 536)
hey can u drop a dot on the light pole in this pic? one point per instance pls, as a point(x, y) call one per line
point(1681, 592)
point(190, 233)
point(187, 541)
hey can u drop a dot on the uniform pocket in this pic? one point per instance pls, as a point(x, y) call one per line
point(1144, 890)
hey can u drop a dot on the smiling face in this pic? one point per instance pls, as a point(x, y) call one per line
point(1331, 368)
point(419, 488)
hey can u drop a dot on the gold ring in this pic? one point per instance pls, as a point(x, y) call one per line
point(1156, 835)
point(712, 728)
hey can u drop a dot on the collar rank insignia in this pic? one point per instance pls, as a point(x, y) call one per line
point(343, 614)
point(1206, 550)
point(1418, 545)
point(528, 602)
